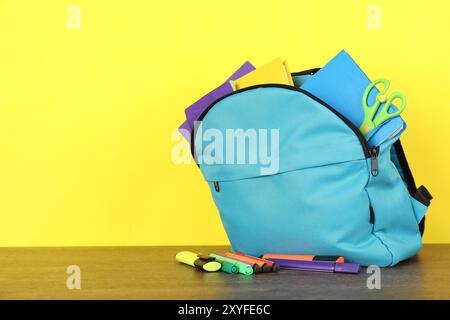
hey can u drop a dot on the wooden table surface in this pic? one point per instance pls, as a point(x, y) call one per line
point(153, 273)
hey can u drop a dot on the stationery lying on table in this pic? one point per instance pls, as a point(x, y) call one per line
point(258, 266)
point(273, 265)
point(198, 261)
point(304, 257)
point(243, 268)
point(238, 262)
point(321, 266)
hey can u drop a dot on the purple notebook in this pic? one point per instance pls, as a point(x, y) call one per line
point(196, 109)
point(185, 131)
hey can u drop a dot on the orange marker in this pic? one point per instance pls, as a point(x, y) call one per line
point(304, 257)
point(264, 266)
point(273, 265)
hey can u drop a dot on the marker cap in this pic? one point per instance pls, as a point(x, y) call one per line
point(266, 265)
point(266, 268)
point(187, 257)
point(347, 268)
point(256, 268)
point(228, 267)
point(275, 267)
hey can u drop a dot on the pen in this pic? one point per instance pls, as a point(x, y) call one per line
point(322, 266)
point(307, 257)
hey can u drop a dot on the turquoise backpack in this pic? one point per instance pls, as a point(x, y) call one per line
point(331, 193)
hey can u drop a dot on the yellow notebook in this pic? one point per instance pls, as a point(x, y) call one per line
point(276, 71)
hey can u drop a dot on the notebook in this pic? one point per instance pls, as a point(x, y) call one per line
point(276, 71)
point(196, 109)
point(341, 84)
point(185, 130)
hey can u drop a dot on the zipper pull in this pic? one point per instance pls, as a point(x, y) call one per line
point(374, 160)
point(216, 186)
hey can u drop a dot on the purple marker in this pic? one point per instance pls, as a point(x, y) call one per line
point(322, 266)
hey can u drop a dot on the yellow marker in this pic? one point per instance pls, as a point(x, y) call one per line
point(205, 263)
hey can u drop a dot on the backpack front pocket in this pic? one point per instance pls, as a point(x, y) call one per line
point(306, 211)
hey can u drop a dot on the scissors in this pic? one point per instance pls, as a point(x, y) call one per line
point(373, 120)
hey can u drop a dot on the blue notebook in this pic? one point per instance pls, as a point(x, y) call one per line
point(341, 84)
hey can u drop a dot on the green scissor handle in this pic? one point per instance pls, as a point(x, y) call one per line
point(371, 121)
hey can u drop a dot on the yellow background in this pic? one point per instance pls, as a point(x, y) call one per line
point(87, 115)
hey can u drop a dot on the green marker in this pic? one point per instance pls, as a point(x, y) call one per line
point(228, 267)
point(243, 267)
point(198, 261)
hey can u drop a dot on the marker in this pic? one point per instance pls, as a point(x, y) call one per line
point(304, 257)
point(243, 267)
point(198, 261)
point(274, 267)
point(256, 268)
point(322, 266)
point(228, 267)
point(261, 266)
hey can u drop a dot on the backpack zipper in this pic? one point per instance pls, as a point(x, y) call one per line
point(368, 151)
point(374, 160)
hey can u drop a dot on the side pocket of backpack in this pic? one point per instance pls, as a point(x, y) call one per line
point(420, 202)
point(398, 157)
point(419, 209)
point(396, 214)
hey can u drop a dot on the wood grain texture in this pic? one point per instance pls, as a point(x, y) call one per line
point(153, 273)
